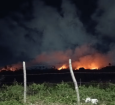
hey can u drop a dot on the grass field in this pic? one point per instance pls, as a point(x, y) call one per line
point(56, 94)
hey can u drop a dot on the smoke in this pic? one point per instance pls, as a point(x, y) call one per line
point(93, 61)
point(105, 18)
point(46, 31)
point(83, 56)
point(42, 34)
point(60, 32)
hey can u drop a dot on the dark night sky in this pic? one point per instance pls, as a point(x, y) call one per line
point(31, 27)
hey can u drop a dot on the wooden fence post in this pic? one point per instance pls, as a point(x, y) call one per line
point(75, 82)
point(24, 72)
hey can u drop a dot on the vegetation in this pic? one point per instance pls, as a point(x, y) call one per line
point(56, 94)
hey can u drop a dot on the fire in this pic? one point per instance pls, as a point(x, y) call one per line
point(85, 67)
point(12, 67)
point(62, 67)
point(89, 66)
point(94, 68)
point(83, 57)
point(94, 61)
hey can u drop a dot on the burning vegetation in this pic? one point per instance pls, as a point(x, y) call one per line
point(95, 61)
point(12, 67)
point(81, 58)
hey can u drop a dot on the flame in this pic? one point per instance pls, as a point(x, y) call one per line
point(95, 61)
point(82, 57)
point(62, 67)
point(92, 67)
point(12, 67)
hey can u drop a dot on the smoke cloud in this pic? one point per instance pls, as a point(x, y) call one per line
point(105, 18)
point(43, 35)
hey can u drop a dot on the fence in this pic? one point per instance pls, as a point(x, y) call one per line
point(26, 82)
point(80, 80)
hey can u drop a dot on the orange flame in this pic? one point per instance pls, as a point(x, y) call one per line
point(92, 67)
point(12, 67)
point(62, 67)
point(93, 59)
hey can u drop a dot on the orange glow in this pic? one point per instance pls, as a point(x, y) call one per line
point(83, 57)
point(12, 67)
point(62, 67)
point(92, 67)
point(95, 61)
point(89, 66)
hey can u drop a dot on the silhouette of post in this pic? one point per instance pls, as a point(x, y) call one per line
point(75, 82)
point(24, 72)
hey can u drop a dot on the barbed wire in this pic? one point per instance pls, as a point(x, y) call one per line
point(59, 73)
